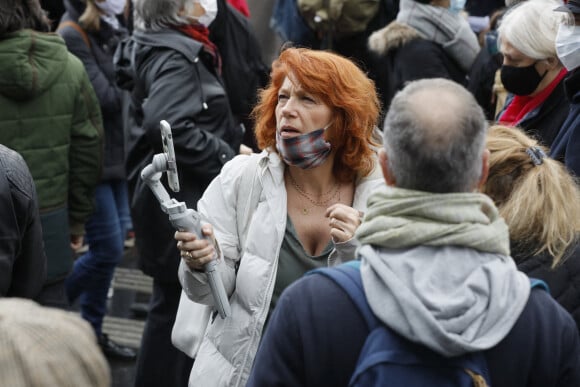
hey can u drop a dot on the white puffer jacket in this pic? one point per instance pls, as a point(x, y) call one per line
point(228, 349)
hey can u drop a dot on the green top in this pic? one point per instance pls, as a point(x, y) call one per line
point(294, 261)
point(49, 113)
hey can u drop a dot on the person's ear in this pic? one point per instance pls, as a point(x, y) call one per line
point(384, 163)
point(484, 169)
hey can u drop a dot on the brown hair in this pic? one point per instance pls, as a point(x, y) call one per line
point(17, 15)
point(342, 86)
point(540, 203)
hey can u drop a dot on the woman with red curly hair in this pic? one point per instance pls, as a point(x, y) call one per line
point(293, 207)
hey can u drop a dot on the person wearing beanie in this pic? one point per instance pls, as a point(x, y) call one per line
point(43, 346)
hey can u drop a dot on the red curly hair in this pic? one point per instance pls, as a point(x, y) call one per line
point(340, 84)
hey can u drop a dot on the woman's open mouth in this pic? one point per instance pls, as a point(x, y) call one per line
point(288, 131)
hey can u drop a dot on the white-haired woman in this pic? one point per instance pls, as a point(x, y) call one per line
point(173, 71)
point(531, 71)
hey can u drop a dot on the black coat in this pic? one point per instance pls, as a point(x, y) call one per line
point(98, 62)
point(481, 79)
point(22, 257)
point(545, 121)
point(401, 55)
point(564, 280)
point(172, 78)
point(566, 146)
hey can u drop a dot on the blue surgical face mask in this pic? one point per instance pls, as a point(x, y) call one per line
point(456, 6)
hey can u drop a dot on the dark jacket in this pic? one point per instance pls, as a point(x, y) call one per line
point(98, 61)
point(564, 280)
point(172, 79)
point(316, 333)
point(545, 121)
point(55, 9)
point(483, 7)
point(566, 146)
point(50, 115)
point(22, 258)
point(401, 55)
point(481, 79)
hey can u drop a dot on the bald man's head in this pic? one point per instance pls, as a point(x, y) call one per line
point(434, 137)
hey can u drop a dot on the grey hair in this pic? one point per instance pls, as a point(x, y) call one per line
point(531, 27)
point(434, 137)
point(157, 15)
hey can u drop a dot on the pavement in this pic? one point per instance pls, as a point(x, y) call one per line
point(123, 323)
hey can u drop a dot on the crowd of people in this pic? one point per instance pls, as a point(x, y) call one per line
point(408, 184)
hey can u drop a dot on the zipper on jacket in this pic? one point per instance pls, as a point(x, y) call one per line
point(202, 99)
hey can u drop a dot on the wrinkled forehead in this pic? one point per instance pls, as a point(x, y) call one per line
point(290, 82)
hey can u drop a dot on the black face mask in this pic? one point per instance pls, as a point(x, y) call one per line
point(521, 80)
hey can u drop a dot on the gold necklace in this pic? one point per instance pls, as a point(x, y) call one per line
point(317, 203)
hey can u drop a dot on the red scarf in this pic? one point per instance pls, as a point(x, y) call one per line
point(523, 104)
point(241, 6)
point(201, 34)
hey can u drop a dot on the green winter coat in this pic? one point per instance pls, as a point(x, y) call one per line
point(50, 115)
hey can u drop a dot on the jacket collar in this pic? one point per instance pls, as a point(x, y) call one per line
point(169, 38)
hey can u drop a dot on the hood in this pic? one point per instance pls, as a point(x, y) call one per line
point(438, 24)
point(453, 300)
point(393, 36)
point(134, 51)
point(30, 62)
